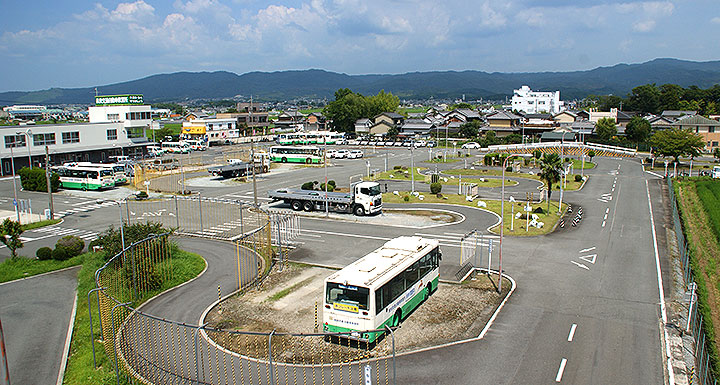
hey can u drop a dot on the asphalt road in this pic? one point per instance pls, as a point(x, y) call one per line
point(35, 314)
point(586, 307)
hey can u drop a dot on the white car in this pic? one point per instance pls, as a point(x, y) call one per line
point(340, 154)
point(330, 153)
point(354, 154)
point(470, 145)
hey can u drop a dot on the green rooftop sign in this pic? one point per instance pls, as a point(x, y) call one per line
point(118, 100)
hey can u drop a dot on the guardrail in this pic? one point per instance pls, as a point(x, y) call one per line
point(568, 148)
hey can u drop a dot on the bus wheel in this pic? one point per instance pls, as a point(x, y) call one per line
point(397, 317)
point(308, 160)
point(284, 159)
point(265, 169)
point(308, 206)
point(296, 205)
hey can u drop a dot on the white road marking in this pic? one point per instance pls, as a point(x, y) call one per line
point(603, 224)
point(607, 210)
point(578, 264)
point(605, 218)
point(558, 378)
point(586, 250)
point(589, 258)
point(572, 332)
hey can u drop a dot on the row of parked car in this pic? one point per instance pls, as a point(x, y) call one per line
point(344, 154)
point(391, 143)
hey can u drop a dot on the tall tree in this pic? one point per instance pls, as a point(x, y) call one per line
point(637, 130)
point(670, 95)
point(677, 142)
point(382, 102)
point(605, 128)
point(550, 167)
point(348, 107)
point(469, 129)
point(645, 98)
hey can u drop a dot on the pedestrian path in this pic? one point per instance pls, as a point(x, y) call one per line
point(82, 207)
point(59, 231)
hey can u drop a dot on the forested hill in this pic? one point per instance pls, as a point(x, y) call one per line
point(286, 85)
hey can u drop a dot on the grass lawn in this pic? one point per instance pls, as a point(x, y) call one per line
point(577, 164)
point(494, 206)
point(571, 184)
point(485, 182)
point(37, 225)
point(21, 267)
point(79, 369)
point(400, 175)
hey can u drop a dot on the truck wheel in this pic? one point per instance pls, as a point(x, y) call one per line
point(308, 206)
point(359, 211)
point(284, 159)
point(296, 205)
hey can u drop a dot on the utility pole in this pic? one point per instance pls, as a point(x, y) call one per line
point(48, 175)
point(252, 161)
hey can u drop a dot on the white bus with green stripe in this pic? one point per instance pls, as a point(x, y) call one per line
point(381, 288)
point(296, 154)
point(118, 170)
point(85, 178)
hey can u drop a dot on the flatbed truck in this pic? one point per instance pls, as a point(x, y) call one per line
point(364, 198)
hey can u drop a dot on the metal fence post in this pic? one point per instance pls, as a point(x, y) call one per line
point(92, 336)
point(197, 363)
point(392, 336)
point(177, 214)
point(280, 250)
point(272, 374)
point(201, 215)
point(112, 321)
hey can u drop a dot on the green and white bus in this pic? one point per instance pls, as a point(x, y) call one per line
point(117, 168)
point(296, 154)
point(85, 178)
point(381, 288)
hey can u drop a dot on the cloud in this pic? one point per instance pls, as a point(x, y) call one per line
point(644, 26)
point(136, 11)
point(715, 20)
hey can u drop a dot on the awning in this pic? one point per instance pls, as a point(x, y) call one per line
point(194, 130)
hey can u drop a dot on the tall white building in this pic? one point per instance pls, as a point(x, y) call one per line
point(535, 102)
point(129, 110)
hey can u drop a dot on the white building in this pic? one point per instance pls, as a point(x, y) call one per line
point(211, 130)
point(129, 110)
point(535, 102)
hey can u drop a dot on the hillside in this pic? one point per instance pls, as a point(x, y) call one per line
point(314, 83)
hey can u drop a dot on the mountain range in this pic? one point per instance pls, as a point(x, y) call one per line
point(314, 83)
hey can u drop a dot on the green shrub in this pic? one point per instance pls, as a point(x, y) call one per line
point(578, 178)
point(307, 186)
point(72, 244)
point(33, 179)
point(332, 183)
point(330, 187)
point(44, 253)
point(539, 210)
point(406, 198)
point(397, 167)
point(435, 188)
point(141, 195)
point(111, 243)
point(60, 254)
point(508, 169)
point(567, 160)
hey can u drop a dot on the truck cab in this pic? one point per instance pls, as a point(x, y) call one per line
point(368, 198)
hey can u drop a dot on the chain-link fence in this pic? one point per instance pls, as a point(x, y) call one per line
point(703, 363)
point(144, 348)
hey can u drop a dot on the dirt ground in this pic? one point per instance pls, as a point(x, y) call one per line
point(287, 301)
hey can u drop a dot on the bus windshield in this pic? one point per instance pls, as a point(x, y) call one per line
point(336, 292)
point(105, 172)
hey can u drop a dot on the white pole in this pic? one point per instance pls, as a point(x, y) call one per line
point(412, 168)
point(327, 209)
point(12, 164)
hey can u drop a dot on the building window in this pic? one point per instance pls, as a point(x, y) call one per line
point(711, 129)
point(138, 115)
point(113, 117)
point(135, 132)
point(715, 144)
point(14, 141)
point(71, 137)
point(112, 134)
point(44, 139)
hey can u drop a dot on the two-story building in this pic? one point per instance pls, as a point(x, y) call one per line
point(709, 129)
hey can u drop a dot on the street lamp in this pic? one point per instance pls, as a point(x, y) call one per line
point(502, 219)
point(28, 132)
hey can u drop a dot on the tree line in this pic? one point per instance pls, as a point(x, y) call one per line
point(653, 99)
point(350, 106)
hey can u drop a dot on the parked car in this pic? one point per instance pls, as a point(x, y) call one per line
point(431, 144)
point(330, 153)
point(470, 145)
point(340, 154)
point(355, 154)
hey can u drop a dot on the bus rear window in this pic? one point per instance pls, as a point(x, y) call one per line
point(336, 292)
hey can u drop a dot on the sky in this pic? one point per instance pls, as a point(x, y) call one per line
point(45, 44)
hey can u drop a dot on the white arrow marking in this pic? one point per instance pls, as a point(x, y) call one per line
point(589, 258)
point(586, 250)
point(580, 265)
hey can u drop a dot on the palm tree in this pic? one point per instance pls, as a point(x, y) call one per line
point(550, 166)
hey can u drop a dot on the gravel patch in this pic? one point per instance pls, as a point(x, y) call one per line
point(286, 302)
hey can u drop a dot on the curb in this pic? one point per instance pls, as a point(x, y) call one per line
point(68, 340)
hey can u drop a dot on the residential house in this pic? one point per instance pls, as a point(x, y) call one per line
point(362, 127)
point(562, 134)
point(252, 119)
point(391, 117)
point(416, 127)
point(290, 119)
point(462, 115)
point(660, 122)
point(315, 121)
point(676, 114)
point(707, 128)
point(565, 117)
point(503, 123)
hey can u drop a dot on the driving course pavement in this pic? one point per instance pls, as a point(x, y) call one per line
point(586, 306)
